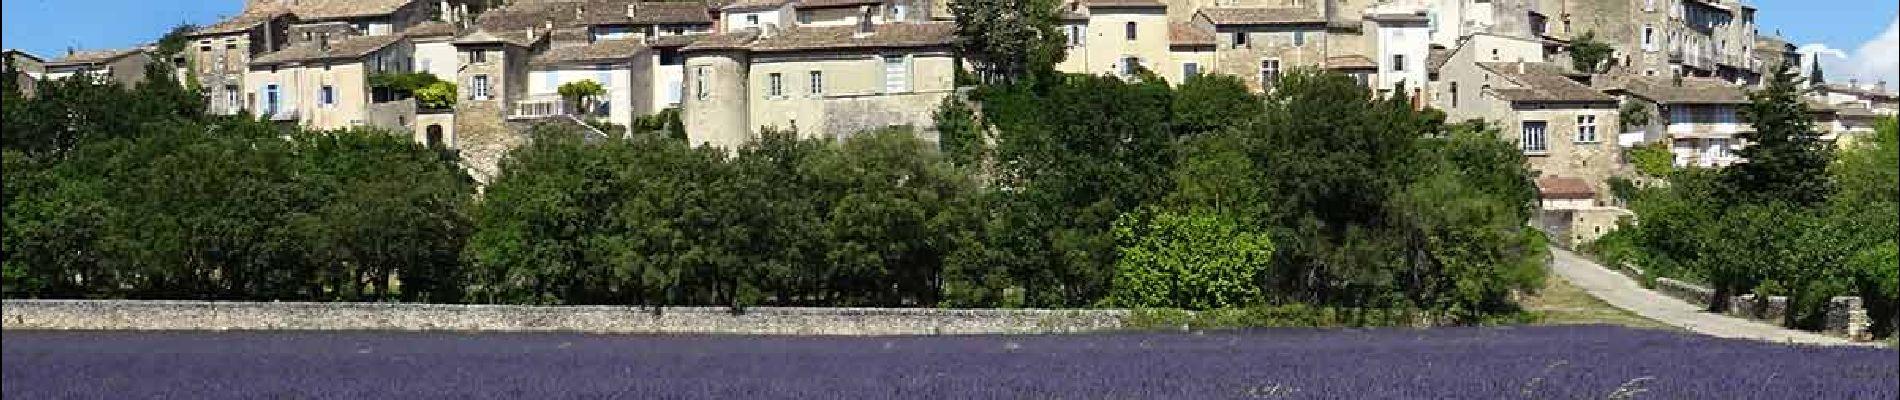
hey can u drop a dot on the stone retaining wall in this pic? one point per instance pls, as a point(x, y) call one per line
point(200, 315)
point(1846, 316)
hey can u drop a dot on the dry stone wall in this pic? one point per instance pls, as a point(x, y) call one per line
point(1846, 315)
point(201, 315)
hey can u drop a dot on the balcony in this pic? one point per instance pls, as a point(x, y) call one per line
point(282, 114)
point(1707, 129)
point(539, 107)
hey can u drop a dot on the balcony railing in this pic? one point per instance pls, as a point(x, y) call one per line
point(539, 107)
point(283, 114)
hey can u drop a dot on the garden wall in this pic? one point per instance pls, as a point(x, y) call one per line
point(203, 315)
point(1846, 315)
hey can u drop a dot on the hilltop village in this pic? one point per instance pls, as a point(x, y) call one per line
point(729, 69)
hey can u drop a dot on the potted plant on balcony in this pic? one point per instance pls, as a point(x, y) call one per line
point(583, 94)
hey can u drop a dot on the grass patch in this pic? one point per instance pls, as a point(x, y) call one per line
point(1560, 303)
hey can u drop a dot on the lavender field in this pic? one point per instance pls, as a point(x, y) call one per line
point(1479, 363)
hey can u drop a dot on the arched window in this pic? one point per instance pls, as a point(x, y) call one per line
point(433, 135)
point(1130, 28)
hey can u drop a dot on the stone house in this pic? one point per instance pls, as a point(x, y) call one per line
point(325, 84)
point(1191, 46)
point(610, 63)
point(650, 20)
point(1698, 117)
point(1401, 39)
point(1118, 38)
point(1566, 128)
point(30, 66)
point(1259, 45)
point(220, 55)
point(756, 14)
point(818, 80)
point(338, 18)
point(124, 66)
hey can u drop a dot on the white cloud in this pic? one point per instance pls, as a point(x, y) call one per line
point(1874, 61)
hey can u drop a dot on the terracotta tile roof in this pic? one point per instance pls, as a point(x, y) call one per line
point(328, 9)
point(239, 23)
point(675, 40)
point(345, 48)
point(1436, 59)
point(1189, 34)
point(1557, 187)
point(835, 3)
point(671, 13)
point(724, 41)
point(430, 29)
point(514, 37)
point(1692, 91)
point(1262, 16)
point(91, 57)
point(846, 37)
point(1850, 89)
point(1350, 61)
point(1542, 82)
point(1858, 112)
point(1126, 3)
point(605, 50)
point(753, 5)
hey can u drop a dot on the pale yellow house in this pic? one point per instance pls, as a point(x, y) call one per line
point(1191, 47)
point(325, 85)
point(821, 81)
point(1118, 38)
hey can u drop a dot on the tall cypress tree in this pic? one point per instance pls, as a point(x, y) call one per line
point(1786, 160)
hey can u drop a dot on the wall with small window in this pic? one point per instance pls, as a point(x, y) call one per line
point(1256, 53)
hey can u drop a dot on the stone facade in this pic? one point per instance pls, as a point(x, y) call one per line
point(1264, 50)
point(196, 315)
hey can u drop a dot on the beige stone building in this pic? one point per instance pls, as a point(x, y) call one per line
point(325, 84)
point(1261, 44)
point(1698, 117)
point(1191, 46)
point(30, 67)
point(220, 55)
point(123, 66)
point(1566, 128)
point(819, 80)
point(1118, 38)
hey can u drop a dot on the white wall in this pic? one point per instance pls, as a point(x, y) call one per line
point(1412, 40)
point(437, 58)
point(734, 22)
point(618, 81)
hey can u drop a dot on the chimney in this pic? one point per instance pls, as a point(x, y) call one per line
point(1880, 87)
point(70, 51)
point(864, 21)
point(1520, 66)
point(1853, 83)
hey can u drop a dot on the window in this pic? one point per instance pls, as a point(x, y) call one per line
point(671, 56)
point(804, 17)
point(1454, 95)
point(271, 101)
point(1299, 38)
point(817, 83)
point(1398, 63)
point(327, 96)
point(1649, 5)
point(477, 56)
point(700, 79)
point(1533, 140)
point(1586, 129)
point(231, 95)
point(1649, 38)
point(1129, 29)
point(899, 11)
point(1718, 149)
point(774, 85)
point(752, 20)
point(1077, 33)
point(1130, 64)
point(896, 74)
point(425, 64)
point(1189, 70)
point(1240, 39)
point(478, 87)
point(1269, 73)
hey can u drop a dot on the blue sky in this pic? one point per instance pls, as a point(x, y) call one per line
point(1848, 32)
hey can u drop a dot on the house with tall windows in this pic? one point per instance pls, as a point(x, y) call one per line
point(817, 80)
point(325, 84)
point(220, 55)
point(1260, 44)
point(1118, 38)
point(1698, 117)
point(610, 63)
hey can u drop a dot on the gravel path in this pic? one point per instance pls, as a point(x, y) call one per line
point(1622, 292)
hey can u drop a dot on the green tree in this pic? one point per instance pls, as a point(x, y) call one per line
point(583, 94)
point(1196, 259)
point(1785, 154)
point(961, 135)
point(1587, 55)
point(1009, 39)
point(175, 41)
point(437, 95)
point(1212, 102)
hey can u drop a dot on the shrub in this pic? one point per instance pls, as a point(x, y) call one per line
point(1194, 260)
